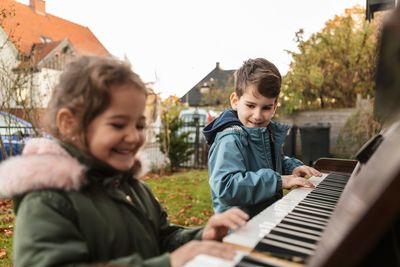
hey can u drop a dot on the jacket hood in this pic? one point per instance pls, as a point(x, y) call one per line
point(226, 119)
point(44, 164)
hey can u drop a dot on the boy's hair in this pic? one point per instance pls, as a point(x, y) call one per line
point(261, 73)
point(84, 88)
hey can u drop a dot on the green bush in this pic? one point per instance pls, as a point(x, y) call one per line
point(357, 130)
point(173, 142)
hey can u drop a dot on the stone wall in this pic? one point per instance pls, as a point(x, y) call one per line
point(335, 117)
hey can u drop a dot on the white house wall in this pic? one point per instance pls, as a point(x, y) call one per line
point(43, 83)
point(8, 60)
point(8, 52)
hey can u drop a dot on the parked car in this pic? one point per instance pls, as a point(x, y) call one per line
point(189, 117)
point(14, 132)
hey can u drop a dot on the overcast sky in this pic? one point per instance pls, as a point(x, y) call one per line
point(175, 43)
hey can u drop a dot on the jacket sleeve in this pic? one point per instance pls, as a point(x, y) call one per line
point(289, 164)
point(46, 235)
point(230, 180)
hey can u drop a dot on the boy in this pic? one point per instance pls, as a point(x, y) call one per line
point(245, 163)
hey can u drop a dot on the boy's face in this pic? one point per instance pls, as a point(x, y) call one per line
point(116, 135)
point(254, 110)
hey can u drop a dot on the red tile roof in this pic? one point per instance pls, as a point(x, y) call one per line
point(26, 27)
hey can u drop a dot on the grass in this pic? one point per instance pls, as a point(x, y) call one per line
point(6, 232)
point(185, 196)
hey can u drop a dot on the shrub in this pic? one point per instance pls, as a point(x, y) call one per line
point(357, 130)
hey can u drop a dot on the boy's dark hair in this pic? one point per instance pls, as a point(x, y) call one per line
point(261, 73)
point(84, 88)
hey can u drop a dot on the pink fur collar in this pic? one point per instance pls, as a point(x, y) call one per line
point(43, 164)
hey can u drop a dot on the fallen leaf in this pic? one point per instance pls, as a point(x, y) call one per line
point(3, 253)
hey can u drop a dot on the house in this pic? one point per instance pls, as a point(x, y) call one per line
point(212, 89)
point(34, 48)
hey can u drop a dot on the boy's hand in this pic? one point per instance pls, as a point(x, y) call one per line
point(219, 224)
point(305, 170)
point(289, 181)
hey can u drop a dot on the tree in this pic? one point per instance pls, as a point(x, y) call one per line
point(17, 89)
point(358, 129)
point(173, 142)
point(333, 65)
point(215, 92)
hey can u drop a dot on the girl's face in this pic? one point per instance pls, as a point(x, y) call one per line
point(116, 135)
point(254, 110)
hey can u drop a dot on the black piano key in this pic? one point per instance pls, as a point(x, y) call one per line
point(338, 176)
point(297, 228)
point(291, 241)
point(328, 192)
point(312, 239)
point(337, 190)
point(335, 180)
point(312, 217)
point(249, 261)
point(282, 250)
point(318, 205)
point(320, 198)
point(331, 185)
point(299, 222)
point(310, 212)
point(325, 195)
point(316, 209)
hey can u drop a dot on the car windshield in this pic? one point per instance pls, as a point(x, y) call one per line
point(11, 125)
point(189, 119)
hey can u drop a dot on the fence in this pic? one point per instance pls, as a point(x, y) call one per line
point(13, 139)
point(152, 152)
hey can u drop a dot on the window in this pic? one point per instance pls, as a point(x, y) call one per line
point(45, 39)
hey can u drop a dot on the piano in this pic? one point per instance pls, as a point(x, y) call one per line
point(336, 224)
point(352, 217)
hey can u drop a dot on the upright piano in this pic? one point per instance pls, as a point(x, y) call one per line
point(352, 217)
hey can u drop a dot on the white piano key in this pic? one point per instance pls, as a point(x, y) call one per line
point(203, 260)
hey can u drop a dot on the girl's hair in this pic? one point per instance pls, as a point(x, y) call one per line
point(84, 88)
point(261, 73)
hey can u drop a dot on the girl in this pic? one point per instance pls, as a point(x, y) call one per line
point(77, 198)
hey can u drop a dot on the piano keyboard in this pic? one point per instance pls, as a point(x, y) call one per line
point(292, 227)
point(289, 229)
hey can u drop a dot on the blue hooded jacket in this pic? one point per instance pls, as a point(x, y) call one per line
point(240, 163)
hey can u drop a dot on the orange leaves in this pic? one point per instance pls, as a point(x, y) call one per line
point(3, 253)
point(5, 204)
point(6, 230)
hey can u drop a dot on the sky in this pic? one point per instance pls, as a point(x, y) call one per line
point(175, 43)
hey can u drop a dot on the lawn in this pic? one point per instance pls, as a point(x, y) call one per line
point(6, 223)
point(185, 196)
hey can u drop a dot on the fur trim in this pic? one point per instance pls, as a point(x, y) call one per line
point(43, 164)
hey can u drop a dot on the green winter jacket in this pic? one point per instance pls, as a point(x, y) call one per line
point(77, 211)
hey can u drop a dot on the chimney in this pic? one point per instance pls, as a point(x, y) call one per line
point(217, 66)
point(38, 6)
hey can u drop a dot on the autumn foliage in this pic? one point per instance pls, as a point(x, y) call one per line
point(333, 65)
